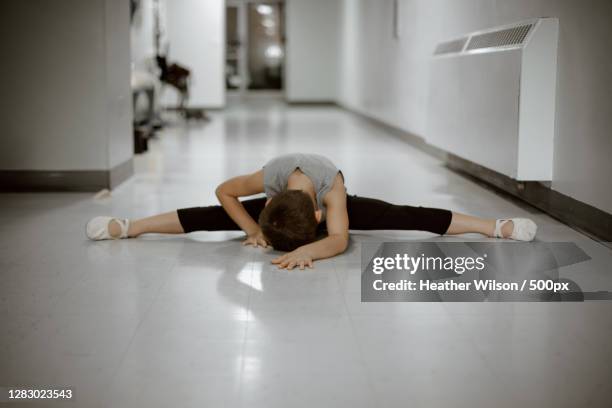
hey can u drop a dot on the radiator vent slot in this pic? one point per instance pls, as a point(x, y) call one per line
point(501, 38)
point(450, 47)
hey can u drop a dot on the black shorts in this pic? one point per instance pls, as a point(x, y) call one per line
point(363, 213)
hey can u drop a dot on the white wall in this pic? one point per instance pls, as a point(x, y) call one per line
point(196, 34)
point(389, 78)
point(64, 80)
point(312, 50)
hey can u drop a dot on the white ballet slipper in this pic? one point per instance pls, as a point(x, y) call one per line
point(97, 228)
point(524, 229)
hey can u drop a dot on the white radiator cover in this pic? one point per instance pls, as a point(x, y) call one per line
point(492, 98)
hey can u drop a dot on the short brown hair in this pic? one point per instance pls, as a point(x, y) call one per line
point(288, 221)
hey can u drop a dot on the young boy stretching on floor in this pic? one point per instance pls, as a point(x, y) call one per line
point(302, 191)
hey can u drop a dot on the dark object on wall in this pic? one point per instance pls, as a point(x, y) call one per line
point(142, 134)
point(144, 123)
point(175, 75)
point(178, 77)
point(134, 7)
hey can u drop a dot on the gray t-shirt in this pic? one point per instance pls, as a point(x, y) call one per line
point(320, 170)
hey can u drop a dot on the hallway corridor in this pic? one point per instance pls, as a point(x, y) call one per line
point(203, 320)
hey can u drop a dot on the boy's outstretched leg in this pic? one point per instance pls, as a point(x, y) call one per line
point(372, 214)
point(465, 224)
point(210, 218)
point(166, 223)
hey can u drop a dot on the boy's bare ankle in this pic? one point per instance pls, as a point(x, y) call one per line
point(133, 229)
point(506, 229)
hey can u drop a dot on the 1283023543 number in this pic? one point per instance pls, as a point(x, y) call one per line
point(42, 393)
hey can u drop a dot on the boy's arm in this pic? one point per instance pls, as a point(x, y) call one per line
point(242, 186)
point(336, 241)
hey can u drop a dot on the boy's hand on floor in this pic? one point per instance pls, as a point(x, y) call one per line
point(256, 239)
point(298, 258)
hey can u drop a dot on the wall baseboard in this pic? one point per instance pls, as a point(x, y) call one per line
point(583, 217)
point(308, 102)
point(194, 108)
point(63, 181)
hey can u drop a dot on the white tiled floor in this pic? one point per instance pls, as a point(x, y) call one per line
point(201, 321)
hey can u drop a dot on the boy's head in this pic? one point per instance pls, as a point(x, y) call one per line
point(289, 220)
